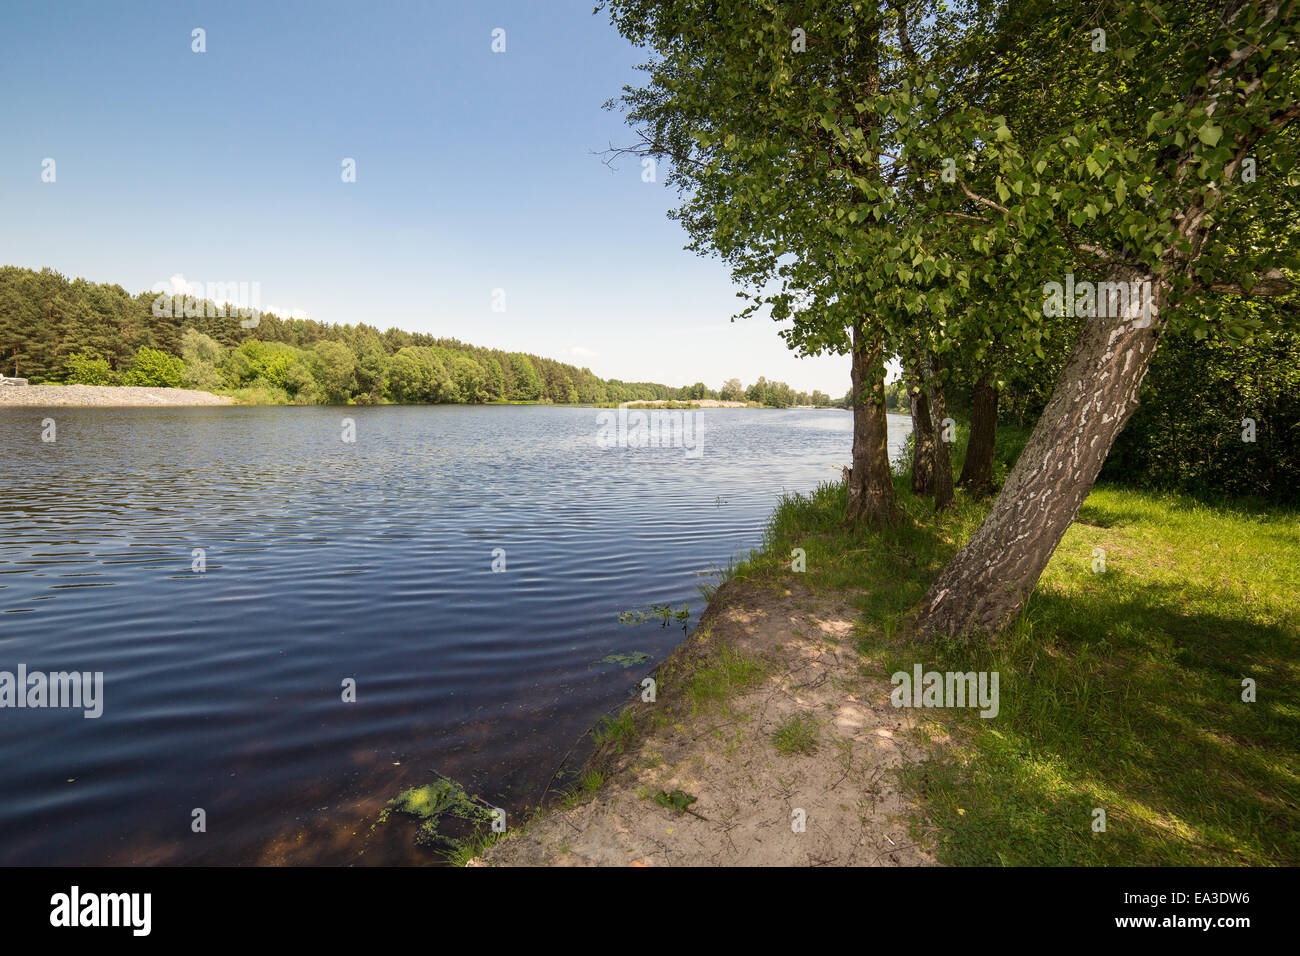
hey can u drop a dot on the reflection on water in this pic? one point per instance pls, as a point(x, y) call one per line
point(323, 561)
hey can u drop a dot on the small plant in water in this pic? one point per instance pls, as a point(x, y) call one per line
point(660, 612)
point(431, 803)
point(625, 660)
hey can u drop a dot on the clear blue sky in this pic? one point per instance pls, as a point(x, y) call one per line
point(475, 171)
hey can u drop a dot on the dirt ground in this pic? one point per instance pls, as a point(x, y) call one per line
point(724, 753)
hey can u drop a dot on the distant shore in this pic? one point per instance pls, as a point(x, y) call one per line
point(128, 395)
point(105, 395)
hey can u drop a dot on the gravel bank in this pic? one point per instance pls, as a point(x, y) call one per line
point(47, 395)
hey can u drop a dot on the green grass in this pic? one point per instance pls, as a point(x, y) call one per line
point(591, 781)
point(727, 673)
point(1119, 690)
point(616, 731)
point(476, 845)
point(798, 735)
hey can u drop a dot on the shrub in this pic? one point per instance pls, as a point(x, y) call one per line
point(154, 369)
point(86, 368)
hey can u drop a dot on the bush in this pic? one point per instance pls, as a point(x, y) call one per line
point(1187, 434)
point(276, 364)
point(86, 368)
point(154, 369)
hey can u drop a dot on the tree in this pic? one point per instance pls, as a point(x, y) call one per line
point(922, 433)
point(1167, 121)
point(977, 468)
point(202, 356)
point(404, 379)
point(470, 379)
point(334, 369)
point(528, 385)
point(154, 369)
point(779, 164)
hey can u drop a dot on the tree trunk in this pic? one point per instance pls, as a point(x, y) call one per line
point(943, 492)
point(977, 469)
point(984, 587)
point(922, 436)
point(871, 485)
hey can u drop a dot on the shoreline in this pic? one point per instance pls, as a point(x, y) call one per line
point(777, 709)
point(765, 715)
point(105, 396)
point(132, 396)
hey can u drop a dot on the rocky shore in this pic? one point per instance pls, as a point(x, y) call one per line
point(105, 395)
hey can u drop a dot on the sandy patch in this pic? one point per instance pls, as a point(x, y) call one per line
point(725, 754)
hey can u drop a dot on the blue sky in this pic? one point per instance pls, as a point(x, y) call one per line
point(475, 171)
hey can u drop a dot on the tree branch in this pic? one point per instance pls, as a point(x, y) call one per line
point(1272, 282)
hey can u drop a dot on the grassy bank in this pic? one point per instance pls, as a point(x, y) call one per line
point(1120, 690)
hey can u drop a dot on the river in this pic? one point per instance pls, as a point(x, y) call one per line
point(230, 569)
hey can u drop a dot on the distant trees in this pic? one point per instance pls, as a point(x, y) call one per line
point(59, 330)
point(416, 374)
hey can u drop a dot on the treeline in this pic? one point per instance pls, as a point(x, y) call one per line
point(53, 329)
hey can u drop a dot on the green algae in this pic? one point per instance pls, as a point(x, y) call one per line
point(625, 660)
point(435, 804)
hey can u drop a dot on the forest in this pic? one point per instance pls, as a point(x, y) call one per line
point(56, 330)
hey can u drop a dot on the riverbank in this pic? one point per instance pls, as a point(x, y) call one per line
point(105, 395)
point(1121, 691)
point(764, 717)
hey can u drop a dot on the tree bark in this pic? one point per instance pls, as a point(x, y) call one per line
point(871, 485)
point(977, 469)
point(922, 435)
point(984, 587)
point(943, 491)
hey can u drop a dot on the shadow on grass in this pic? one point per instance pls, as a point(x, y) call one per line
point(1097, 516)
point(1121, 693)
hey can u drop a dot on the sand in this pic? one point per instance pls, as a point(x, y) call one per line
point(854, 811)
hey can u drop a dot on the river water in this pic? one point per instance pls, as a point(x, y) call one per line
point(229, 569)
